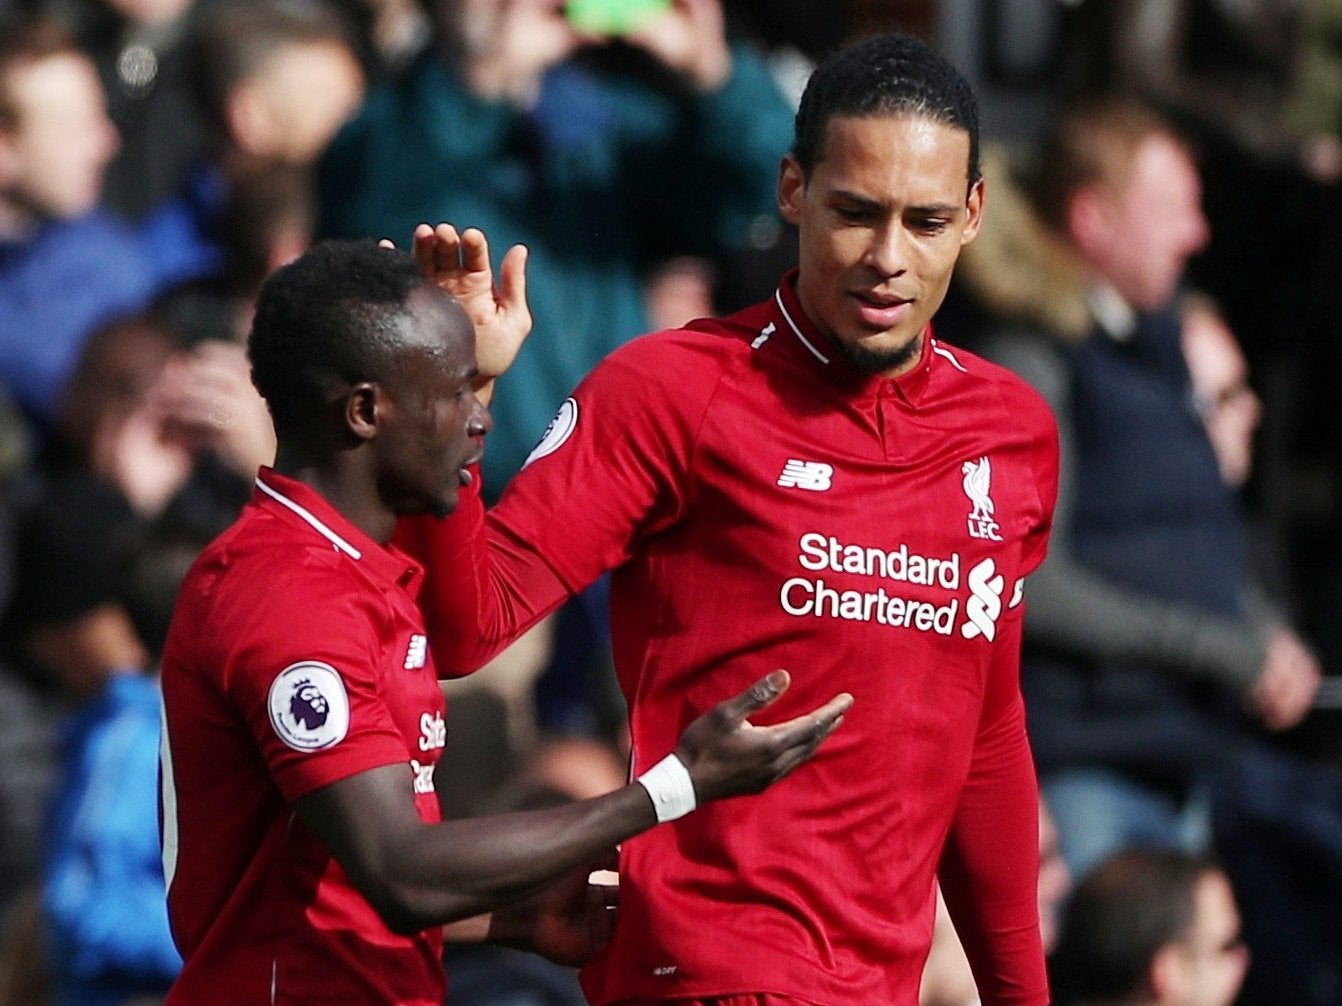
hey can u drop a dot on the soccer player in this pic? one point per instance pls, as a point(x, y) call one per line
point(302, 846)
point(816, 482)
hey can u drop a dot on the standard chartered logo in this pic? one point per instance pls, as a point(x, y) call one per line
point(887, 604)
point(985, 601)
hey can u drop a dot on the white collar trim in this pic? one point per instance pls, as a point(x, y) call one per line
point(778, 296)
point(335, 539)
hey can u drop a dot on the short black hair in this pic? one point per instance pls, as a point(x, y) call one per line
point(889, 74)
point(332, 315)
point(1117, 919)
point(1095, 139)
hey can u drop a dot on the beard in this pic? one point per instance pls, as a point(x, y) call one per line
point(880, 361)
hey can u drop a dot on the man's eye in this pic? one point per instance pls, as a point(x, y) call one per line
point(931, 225)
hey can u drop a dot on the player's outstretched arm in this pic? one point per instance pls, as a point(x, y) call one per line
point(417, 875)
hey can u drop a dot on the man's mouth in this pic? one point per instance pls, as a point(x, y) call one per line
point(464, 476)
point(880, 310)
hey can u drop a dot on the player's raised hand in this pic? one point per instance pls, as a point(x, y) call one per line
point(459, 263)
point(727, 755)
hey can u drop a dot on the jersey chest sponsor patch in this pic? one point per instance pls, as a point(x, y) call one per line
point(309, 707)
point(942, 566)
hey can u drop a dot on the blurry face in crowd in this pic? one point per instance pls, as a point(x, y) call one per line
point(52, 163)
point(1142, 230)
point(1207, 967)
point(150, 11)
point(881, 222)
point(1229, 408)
point(291, 109)
point(527, 30)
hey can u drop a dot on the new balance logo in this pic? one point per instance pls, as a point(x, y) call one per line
point(813, 475)
point(416, 652)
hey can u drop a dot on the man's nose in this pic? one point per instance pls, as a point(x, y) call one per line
point(888, 250)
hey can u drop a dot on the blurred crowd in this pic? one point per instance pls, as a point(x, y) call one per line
point(1160, 258)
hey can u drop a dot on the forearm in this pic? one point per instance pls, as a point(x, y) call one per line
point(989, 873)
point(417, 875)
point(1078, 612)
point(989, 869)
point(481, 591)
point(475, 865)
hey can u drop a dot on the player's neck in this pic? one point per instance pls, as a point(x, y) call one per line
point(346, 488)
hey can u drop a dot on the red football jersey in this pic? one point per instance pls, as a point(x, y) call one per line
point(296, 658)
point(764, 505)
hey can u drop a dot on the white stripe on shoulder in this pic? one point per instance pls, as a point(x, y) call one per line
point(778, 296)
point(941, 350)
point(312, 519)
point(167, 798)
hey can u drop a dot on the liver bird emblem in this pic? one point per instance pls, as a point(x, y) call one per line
point(978, 483)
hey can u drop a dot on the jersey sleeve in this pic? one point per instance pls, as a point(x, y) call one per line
point(1044, 454)
point(307, 683)
point(989, 869)
point(612, 470)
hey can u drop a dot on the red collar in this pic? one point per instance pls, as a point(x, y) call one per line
point(816, 351)
point(298, 502)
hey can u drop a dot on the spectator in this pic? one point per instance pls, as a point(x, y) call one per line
point(504, 124)
point(65, 266)
point(276, 80)
point(1145, 631)
point(103, 894)
point(143, 471)
point(1254, 85)
point(600, 176)
point(128, 488)
point(1150, 928)
point(143, 51)
point(267, 220)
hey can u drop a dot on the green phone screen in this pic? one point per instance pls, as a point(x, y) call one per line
point(611, 17)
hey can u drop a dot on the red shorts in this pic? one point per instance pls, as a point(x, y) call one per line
point(747, 999)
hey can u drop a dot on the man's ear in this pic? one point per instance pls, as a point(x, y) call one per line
point(360, 410)
point(249, 120)
point(1087, 218)
point(791, 189)
point(1166, 973)
point(974, 211)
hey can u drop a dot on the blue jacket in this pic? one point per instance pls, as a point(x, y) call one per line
point(103, 891)
point(56, 288)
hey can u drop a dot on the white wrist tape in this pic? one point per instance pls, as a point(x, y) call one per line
point(669, 784)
